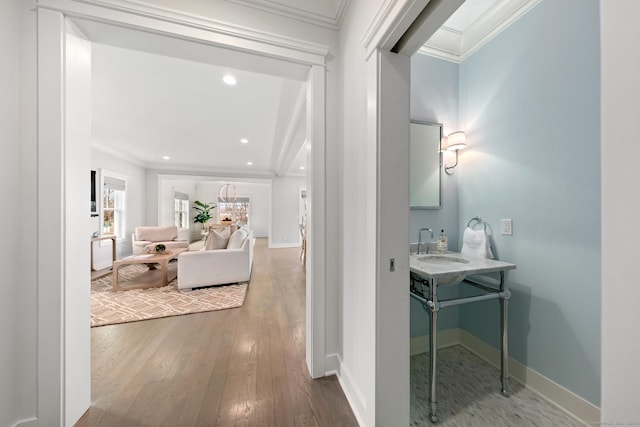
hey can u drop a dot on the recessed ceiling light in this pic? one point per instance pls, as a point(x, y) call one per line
point(229, 79)
point(301, 168)
point(244, 140)
point(249, 163)
point(166, 158)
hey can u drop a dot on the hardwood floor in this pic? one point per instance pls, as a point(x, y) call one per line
point(236, 367)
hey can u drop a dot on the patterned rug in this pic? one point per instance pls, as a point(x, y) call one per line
point(108, 307)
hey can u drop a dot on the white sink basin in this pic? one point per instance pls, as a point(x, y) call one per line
point(442, 260)
point(451, 268)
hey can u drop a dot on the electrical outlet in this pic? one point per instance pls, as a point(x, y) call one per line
point(506, 227)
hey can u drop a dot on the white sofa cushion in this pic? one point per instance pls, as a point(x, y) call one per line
point(149, 235)
point(157, 234)
point(216, 239)
point(237, 238)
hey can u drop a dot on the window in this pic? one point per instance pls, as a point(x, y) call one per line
point(181, 210)
point(113, 206)
point(237, 211)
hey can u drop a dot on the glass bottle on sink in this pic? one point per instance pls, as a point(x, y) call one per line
point(443, 246)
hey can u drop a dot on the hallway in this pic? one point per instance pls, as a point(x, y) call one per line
point(243, 366)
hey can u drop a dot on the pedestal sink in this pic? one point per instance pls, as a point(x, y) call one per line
point(448, 269)
point(451, 268)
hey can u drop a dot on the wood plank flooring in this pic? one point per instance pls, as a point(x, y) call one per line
point(236, 367)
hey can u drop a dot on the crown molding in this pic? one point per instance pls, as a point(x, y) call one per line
point(456, 46)
point(136, 13)
point(207, 170)
point(332, 21)
point(114, 153)
point(391, 21)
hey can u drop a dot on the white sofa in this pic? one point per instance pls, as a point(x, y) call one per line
point(216, 266)
point(151, 236)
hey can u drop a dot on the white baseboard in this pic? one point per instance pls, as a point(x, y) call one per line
point(284, 245)
point(351, 391)
point(549, 390)
point(446, 338)
point(332, 365)
point(29, 422)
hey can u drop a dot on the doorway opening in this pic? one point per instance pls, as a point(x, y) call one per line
point(52, 334)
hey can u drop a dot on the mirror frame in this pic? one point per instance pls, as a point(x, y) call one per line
point(439, 205)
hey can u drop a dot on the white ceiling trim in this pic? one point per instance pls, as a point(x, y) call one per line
point(192, 27)
point(457, 46)
point(432, 17)
point(323, 20)
point(204, 170)
point(212, 178)
point(288, 150)
point(391, 21)
point(118, 155)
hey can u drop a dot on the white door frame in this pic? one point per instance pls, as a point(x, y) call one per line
point(388, 93)
point(52, 246)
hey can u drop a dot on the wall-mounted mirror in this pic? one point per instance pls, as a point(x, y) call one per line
point(425, 165)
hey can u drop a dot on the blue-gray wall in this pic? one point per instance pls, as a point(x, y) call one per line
point(530, 104)
point(434, 98)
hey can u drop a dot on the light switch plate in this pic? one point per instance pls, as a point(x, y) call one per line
point(506, 227)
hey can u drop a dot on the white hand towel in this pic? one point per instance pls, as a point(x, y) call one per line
point(476, 243)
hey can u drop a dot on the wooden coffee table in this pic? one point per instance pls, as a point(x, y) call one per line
point(153, 278)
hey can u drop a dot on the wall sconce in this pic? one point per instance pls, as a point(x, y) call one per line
point(455, 141)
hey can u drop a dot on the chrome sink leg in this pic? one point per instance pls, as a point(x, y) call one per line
point(433, 331)
point(504, 344)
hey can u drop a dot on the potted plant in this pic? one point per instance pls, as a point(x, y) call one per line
point(203, 212)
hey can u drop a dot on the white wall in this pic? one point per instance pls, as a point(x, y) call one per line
point(77, 336)
point(357, 173)
point(620, 207)
point(136, 209)
point(285, 211)
point(277, 214)
point(166, 194)
point(12, 405)
point(260, 201)
point(25, 322)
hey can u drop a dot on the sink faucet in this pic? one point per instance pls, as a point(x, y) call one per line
point(420, 238)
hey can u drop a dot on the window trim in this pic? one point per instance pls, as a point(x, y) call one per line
point(187, 210)
point(123, 227)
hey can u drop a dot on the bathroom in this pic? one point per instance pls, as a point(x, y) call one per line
point(528, 101)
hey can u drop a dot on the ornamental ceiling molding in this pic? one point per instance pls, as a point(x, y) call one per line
point(331, 21)
point(456, 46)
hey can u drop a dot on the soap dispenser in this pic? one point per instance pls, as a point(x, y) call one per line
point(442, 242)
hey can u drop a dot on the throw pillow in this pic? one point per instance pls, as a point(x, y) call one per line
point(217, 239)
point(237, 238)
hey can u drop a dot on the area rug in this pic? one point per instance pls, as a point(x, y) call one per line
point(109, 307)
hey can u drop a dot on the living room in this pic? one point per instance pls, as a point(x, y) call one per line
point(193, 136)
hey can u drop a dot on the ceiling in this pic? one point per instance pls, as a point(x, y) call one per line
point(155, 97)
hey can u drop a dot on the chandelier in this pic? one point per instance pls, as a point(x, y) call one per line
point(228, 193)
